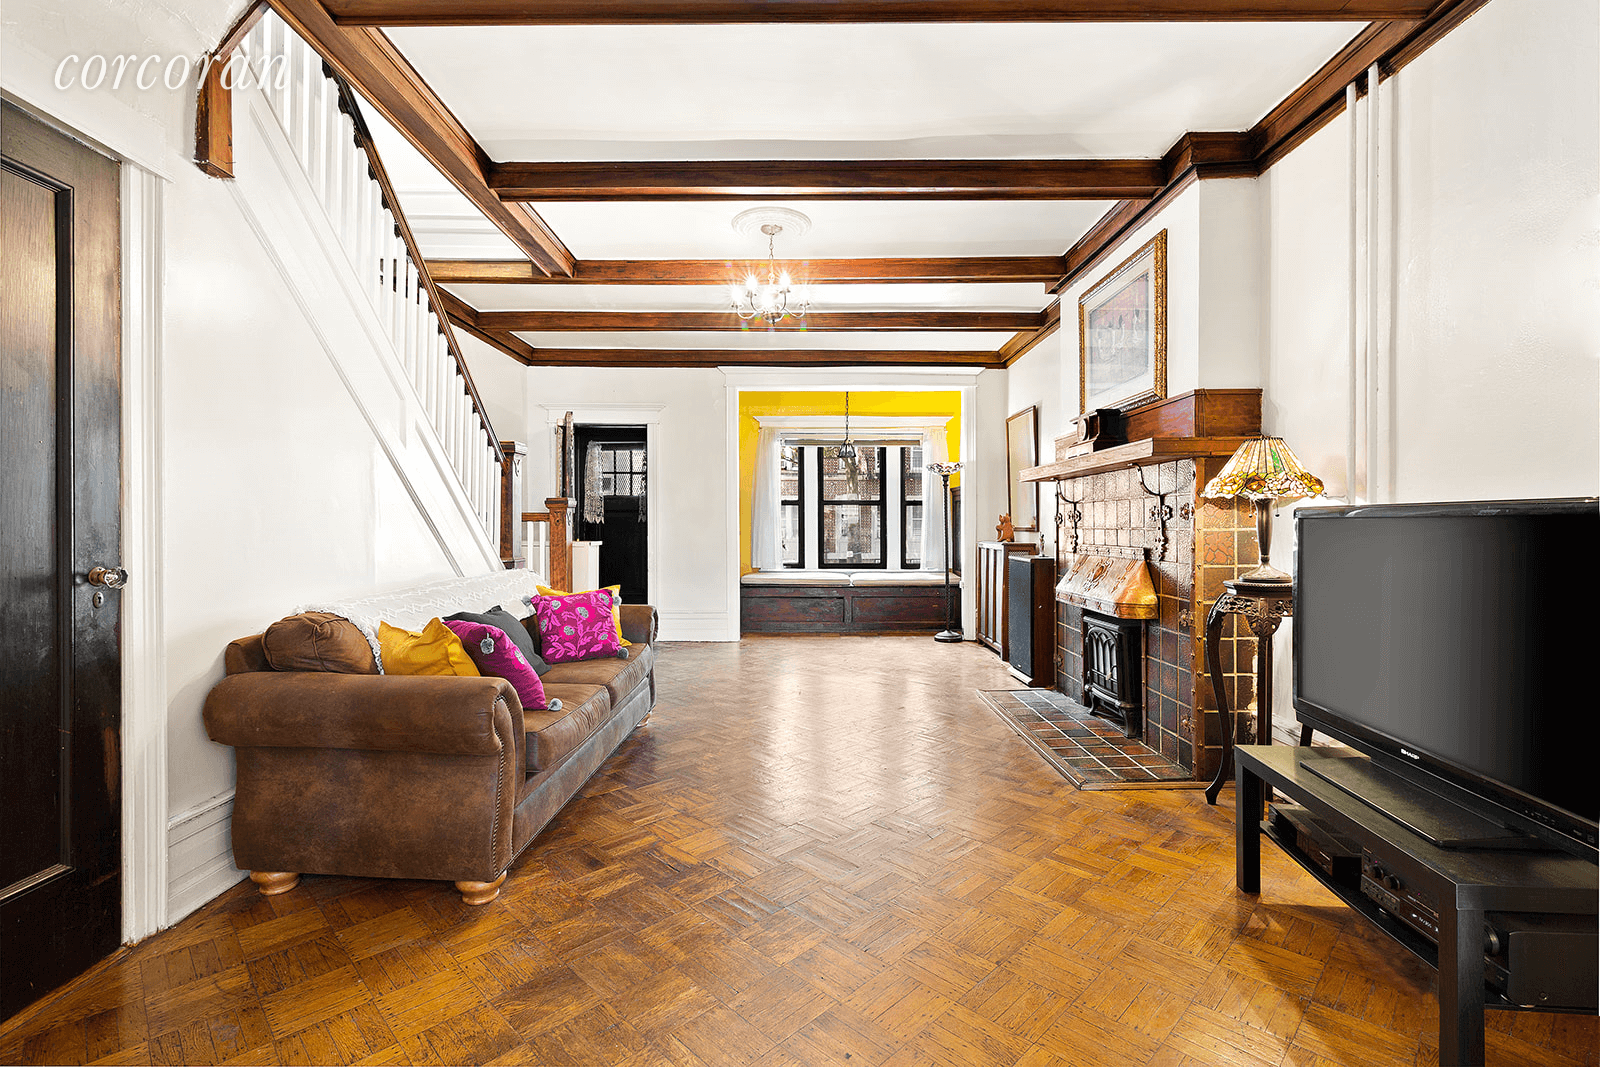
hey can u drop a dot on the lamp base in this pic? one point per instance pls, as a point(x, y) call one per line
point(1266, 575)
point(949, 636)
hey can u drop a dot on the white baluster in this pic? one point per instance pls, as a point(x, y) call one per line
point(391, 289)
point(352, 196)
point(410, 339)
point(310, 74)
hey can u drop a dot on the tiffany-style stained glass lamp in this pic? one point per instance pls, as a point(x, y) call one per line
point(1267, 471)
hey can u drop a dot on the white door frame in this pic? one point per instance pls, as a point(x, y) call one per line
point(144, 653)
point(648, 416)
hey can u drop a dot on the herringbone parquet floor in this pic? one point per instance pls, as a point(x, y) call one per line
point(818, 852)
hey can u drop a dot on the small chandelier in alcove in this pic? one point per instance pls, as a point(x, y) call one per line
point(849, 455)
point(778, 296)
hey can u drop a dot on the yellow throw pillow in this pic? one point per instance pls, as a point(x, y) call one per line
point(433, 651)
point(616, 606)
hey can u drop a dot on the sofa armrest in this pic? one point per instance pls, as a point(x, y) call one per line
point(444, 716)
point(639, 623)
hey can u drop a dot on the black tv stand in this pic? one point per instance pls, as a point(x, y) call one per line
point(1435, 818)
point(1464, 885)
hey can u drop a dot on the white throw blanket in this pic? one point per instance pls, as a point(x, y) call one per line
point(411, 609)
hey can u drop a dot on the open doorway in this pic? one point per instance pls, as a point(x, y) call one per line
point(613, 479)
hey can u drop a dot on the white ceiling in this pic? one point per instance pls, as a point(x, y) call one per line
point(861, 91)
point(1051, 90)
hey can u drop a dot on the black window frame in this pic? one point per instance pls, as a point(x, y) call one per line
point(799, 500)
point(907, 505)
point(881, 503)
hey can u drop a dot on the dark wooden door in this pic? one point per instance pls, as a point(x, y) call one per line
point(60, 492)
point(624, 536)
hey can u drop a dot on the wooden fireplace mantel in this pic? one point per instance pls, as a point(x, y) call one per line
point(1202, 422)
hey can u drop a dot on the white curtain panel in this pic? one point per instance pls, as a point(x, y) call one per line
point(935, 449)
point(765, 547)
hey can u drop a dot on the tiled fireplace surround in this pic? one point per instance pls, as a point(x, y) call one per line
point(1206, 539)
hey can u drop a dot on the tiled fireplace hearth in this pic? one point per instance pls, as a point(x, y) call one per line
point(1204, 541)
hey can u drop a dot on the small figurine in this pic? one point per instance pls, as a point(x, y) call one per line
point(1004, 531)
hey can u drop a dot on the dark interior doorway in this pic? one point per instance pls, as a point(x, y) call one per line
point(620, 483)
point(60, 508)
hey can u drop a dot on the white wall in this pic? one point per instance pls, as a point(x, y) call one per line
point(1035, 380)
point(1490, 194)
point(689, 496)
point(273, 490)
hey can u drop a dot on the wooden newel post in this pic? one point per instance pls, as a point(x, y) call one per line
point(560, 510)
point(511, 548)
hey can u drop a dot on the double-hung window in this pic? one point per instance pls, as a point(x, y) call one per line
point(851, 521)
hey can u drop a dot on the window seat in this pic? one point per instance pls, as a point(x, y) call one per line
point(838, 601)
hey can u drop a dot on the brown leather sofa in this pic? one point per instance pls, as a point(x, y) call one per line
point(390, 776)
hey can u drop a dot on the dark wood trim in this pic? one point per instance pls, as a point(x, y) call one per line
point(694, 12)
point(726, 321)
point(369, 61)
point(465, 318)
point(717, 271)
point(241, 28)
point(213, 121)
point(839, 179)
point(352, 107)
point(1022, 343)
point(730, 357)
point(1211, 155)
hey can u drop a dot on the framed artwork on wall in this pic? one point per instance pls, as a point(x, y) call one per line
point(1122, 332)
point(1022, 451)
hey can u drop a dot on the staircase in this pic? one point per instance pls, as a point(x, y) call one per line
point(311, 182)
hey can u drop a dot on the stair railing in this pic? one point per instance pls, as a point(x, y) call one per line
point(321, 117)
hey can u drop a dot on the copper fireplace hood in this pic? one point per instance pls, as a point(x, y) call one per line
point(1115, 586)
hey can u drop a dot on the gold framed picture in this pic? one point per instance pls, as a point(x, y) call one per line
point(1122, 332)
point(1022, 452)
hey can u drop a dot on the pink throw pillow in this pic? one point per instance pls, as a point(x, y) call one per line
point(576, 626)
point(497, 656)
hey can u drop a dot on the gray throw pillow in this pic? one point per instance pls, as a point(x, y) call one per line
point(499, 617)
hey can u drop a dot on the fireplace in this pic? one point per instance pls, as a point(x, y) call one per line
point(1113, 670)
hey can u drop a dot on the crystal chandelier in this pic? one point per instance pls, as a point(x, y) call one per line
point(769, 300)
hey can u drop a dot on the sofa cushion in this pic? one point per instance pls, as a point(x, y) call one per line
point(553, 734)
point(318, 641)
point(502, 619)
point(620, 677)
point(497, 656)
point(580, 626)
point(616, 605)
point(435, 650)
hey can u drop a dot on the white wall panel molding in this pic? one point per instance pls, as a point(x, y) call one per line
point(698, 626)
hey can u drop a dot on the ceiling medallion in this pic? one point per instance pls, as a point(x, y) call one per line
point(777, 297)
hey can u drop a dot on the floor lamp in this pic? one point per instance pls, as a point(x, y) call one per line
point(951, 631)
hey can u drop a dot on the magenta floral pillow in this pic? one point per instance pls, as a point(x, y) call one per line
point(576, 626)
point(497, 656)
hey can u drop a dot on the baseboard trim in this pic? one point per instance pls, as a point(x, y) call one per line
point(697, 626)
point(200, 856)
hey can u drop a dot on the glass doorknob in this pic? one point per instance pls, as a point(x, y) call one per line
point(110, 577)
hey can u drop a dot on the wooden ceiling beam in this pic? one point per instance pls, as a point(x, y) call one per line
point(838, 179)
point(1043, 269)
point(727, 357)
point(1022, 343)
point(699, 12)
point(370, 62)
point(727, 322)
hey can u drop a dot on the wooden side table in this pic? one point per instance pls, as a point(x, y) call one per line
point(1264, 605)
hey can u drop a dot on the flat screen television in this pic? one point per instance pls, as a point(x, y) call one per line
point(1456, 644)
